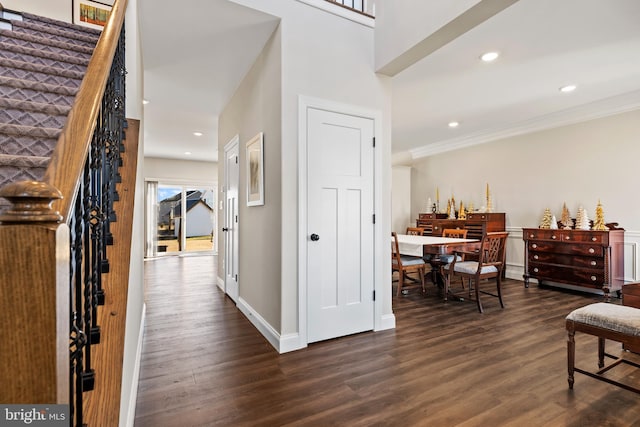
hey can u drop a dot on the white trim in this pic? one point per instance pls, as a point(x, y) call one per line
point(341, 11)
point(181, 182)
point(603, 108)
point(133, 396)
point(388, 321)
point(220, 283)
point(233, 144)
point(260, 323)
point(304, 103)
point(290, 342)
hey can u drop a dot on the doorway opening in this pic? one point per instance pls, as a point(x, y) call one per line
point(180, 219)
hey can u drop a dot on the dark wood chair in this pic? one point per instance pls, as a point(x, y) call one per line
point(404, 265)
point(415, 231)
point(439, 261)
point(489, 265)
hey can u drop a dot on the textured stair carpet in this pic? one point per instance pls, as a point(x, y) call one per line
point(42, 63)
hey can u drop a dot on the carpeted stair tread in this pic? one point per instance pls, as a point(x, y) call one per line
point(79, 39)
point(28, 85)
point(22, 53)
point(21, 117)
point(29, 66)
point(26, 71)
point(60, 25)
point(24, 161)
point(46, 45)
point(27, 145)
point(21, 168)
point(34, 131)
point(38, 107)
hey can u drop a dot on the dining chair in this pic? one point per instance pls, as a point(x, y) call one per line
point(439, 261)
point(415, 231)
point(404, 264)
point(489, 265)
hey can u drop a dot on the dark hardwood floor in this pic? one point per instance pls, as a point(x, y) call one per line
point(204, 364)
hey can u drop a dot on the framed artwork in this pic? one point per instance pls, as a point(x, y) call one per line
point(255, 171)
point(92, 14)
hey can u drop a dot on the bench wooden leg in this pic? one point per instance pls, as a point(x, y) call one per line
point(600, 352)
point(571, 356)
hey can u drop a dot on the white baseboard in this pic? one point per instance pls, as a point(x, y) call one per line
point(282, 344)
point(388, 321)
point(260, 323)
point(221, 283)
point(133, 395)
point(291, 342)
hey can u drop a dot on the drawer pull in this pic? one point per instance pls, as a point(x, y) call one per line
point(553, 237)
point(534, 246)
point(535, 257)
point(593, 278)
point(532, 236)
point(591, 250)
point(567, 237)
point(535, 270)
point(593, 239)
point(594, 263)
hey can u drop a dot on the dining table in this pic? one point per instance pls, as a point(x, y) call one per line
point(432, 248)
point(434, 245)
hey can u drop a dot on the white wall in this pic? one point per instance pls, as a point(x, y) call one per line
point(56, 9)
point(179, 171)
point(577, 164)
point(328, 57)
point(254, 108)
point(135, 297)
point(401, 217)
point(400, 24)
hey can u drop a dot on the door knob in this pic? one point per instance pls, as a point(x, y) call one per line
point(315, 237)
point(225, 229)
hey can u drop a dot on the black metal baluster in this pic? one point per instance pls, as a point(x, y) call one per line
point(77, 336)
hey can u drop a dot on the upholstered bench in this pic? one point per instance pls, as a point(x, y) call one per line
point(606, 321)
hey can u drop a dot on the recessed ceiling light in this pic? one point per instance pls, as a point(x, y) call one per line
point(188, 153)
point(197, 133)
point(568, 88)
point(454, 124)
point(490, 56)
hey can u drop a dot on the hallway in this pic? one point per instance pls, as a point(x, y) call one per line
point(204, 364)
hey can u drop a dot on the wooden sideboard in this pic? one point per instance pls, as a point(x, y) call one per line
point(478, 224)
point(584, 258)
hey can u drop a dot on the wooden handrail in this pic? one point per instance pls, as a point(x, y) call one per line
point(67, 161)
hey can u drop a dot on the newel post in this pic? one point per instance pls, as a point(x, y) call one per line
point(34, 297)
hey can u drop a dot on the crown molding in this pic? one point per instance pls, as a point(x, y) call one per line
point(594, 110)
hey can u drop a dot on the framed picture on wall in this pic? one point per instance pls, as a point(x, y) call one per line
point(92, 14)
point(255, 171)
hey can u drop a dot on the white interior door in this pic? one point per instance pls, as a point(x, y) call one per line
point(230, 229)
point(340, 250)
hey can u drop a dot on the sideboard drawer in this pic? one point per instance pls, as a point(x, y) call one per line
point(566, 274)
point(567, 248)
point(566, 259)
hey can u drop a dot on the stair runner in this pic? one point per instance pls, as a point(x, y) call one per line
point(42, 63)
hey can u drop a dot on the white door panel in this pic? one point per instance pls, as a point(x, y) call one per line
point(340, 212)
point(232, 178)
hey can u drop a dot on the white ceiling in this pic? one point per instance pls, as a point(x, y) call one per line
point(195, 57)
